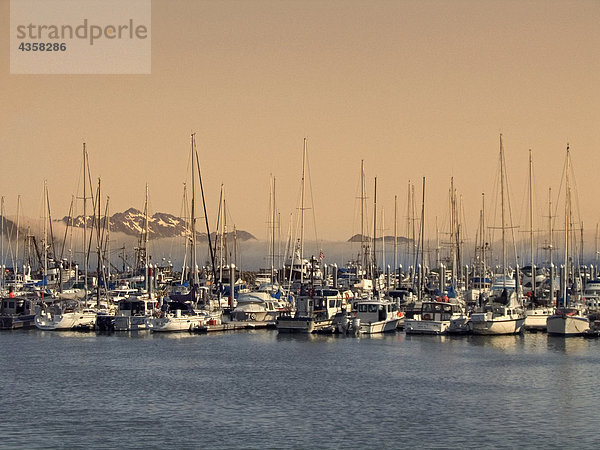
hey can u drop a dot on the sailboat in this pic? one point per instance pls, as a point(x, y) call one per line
point(55, 313)
point(134, 311)
point(266, 303)
point(541, 307)
point(316, 305)
point(375, 314)
point(569, 319)
point(182, 312)
point(503, 314)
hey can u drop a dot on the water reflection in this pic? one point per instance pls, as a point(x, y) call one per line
point(570, 345)
point(506, 343)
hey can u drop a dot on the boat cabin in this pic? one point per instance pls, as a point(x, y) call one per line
point(135, 307)
point(322, 303)
point(374, 311)
point(439, 311)
point(16, 306)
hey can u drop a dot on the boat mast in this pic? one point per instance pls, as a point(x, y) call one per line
point(408, 234)
point(16, 264)
point(99, 270)
point(210, 247)
point(146, 229)
point(374, 262)
point(2, 233)
point(273, 213)
point(453, 236)
point(363, 253)
point(193, 262)
point(302, 215)
point(567, 228)
point(422, 245)
point(395, 239)
point(550, 246)
point(596, 251)
point(533, 270)
point(45, 278)
point(184, 274)
point(503, 219)
point(483, 240)
point(383, 265)
point(107, 257)
point(85, 252)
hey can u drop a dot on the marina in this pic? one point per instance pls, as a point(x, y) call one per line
point(267, 224)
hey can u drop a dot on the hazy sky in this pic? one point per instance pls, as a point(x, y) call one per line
point(415, 88)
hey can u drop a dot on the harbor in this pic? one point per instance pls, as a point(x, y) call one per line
point(262, 389)
point(291, 224)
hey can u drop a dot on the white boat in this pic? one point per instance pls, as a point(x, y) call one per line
point(262, 305)
point(314, 312)
point(435, 318)
point(376, 315)
point(183, 320)
point(536, 318)
point(133, 313)
point(504, 315)
point(569, 318)
point(568, 322)
point(591, 295)
point(64, 315)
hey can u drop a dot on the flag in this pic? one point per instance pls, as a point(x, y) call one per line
point(321, 255)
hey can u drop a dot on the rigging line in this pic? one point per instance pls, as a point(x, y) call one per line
point(510, 215)
point(574, 184)
point(210, 247)
point(312, 202)
point(62, 250)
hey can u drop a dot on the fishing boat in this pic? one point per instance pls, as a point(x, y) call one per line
point(315, 311)
point(17, 312)
point(435, 318)
point(376, 315)
point(134, 311)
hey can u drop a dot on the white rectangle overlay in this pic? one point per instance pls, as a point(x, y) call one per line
point(80, 36)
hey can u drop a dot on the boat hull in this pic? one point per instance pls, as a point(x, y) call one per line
point(483, 325)
point(131, 323)
point(415, 326)
point(535, 320)
point(175, 324)
point(383, 326)
point(65, 321)
point(17, 322)
point(561, 325)
point(302, 324)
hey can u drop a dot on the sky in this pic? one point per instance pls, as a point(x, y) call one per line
point(414, 88)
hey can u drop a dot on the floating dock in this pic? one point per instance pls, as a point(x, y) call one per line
point(232, 326)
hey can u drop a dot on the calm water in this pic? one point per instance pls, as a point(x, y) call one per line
point(263, 390)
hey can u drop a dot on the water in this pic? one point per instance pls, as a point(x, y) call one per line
point(260, 389)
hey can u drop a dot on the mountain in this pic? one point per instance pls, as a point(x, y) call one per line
point(388, 239)
point(8, 227)
point(160, 225)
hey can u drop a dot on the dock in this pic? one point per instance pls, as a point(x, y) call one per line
point(233, 326)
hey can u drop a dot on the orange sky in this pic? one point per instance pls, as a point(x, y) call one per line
point(415, 88)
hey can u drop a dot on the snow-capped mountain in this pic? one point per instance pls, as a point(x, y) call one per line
point(160, 225)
